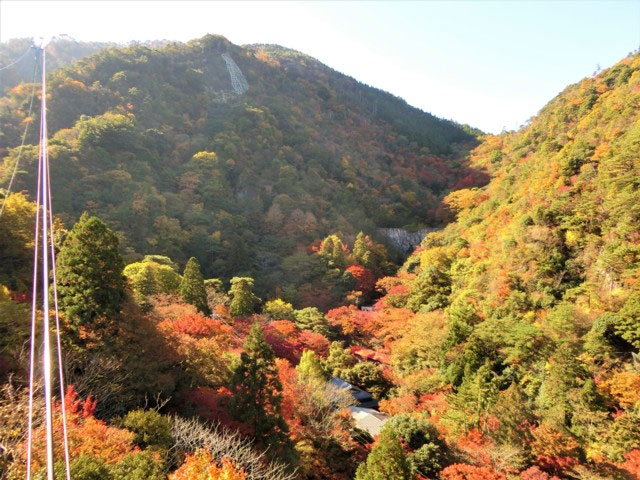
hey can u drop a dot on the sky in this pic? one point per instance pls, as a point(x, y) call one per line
point(490, 64)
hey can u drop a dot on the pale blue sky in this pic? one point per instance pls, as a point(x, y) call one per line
point(491, 64)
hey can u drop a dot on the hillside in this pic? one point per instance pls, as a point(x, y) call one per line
point(505, 347)
point(62, 51)
point(514, 326)
point(239, 156)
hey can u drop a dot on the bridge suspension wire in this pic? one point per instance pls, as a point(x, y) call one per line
point(24, 137)
point(18, 60)
point(44, 229)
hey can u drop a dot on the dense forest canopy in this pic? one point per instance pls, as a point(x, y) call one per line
point(164, 147)
point(504, 348)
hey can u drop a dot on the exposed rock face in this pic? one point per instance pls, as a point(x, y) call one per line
point(238, 82)
point(404, 240)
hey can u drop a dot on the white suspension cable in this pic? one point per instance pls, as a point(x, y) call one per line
point(32, 354)
point(46, 353)
point(65, 437)
point(44, 226)
point(16, 61)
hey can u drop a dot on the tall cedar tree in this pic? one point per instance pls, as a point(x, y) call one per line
point(360, 248)
point(143, 285)
point(386, 461)
point(243, 299)
point(89, 271)
point(192, 288)
point(257, 392)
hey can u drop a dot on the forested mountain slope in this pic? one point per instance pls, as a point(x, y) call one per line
point(504, 349)
point(559, 219)
point(61, 51)
point(514, 326)
point(235, 155)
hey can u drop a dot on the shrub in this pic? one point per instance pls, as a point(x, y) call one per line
point(138, 466)
point(149, 428)
point(278, 310)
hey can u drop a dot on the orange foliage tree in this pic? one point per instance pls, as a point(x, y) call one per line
point(534, 473)
point(87, 435)
point(632, 463)
point(314, 341)
point(282, 336)
point(202, 466)
point(365, 279)
point(461, 471)
point(197, 325)
point(350, 319)
point(624, 387)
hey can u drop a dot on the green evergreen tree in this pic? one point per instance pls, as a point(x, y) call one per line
point(141, 465)
point(360, 248)
point(386, 461)
point(561, 377)
point(628, 327)
point(278, 309)
point(192, 288)
point(310, 369)
point(422, 437)
point(243, 300)
point(369, 377)
point(89, 272)
point(143, 284)
point(311, 318)
point(84, 467)
point(333, 252)
point(513, 411)
point(149, 427)
point(371, 255)
point(339, 361)
point(257, 392)
point(430, 290)
point(475, 396)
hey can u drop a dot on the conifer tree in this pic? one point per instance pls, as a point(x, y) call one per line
point(310, 369)
point(475, 396)
point(360, 248)
point(257, 391)
point(278, 309)
point(512, 410)
point(192, 288)
point(143, 284)
point(371, 255)
point(386, 461)
point(243, 300)
point(89, 272)
point(310, 318)
point(628, 327)
point(332, 250)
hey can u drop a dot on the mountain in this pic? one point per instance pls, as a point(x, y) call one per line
point(518, 323)
point(239, 156)
point(62, 50)
point(559, 219)
point(505, 347)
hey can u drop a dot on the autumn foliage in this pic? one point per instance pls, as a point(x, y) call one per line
point(202, 466)
point(462, 471)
